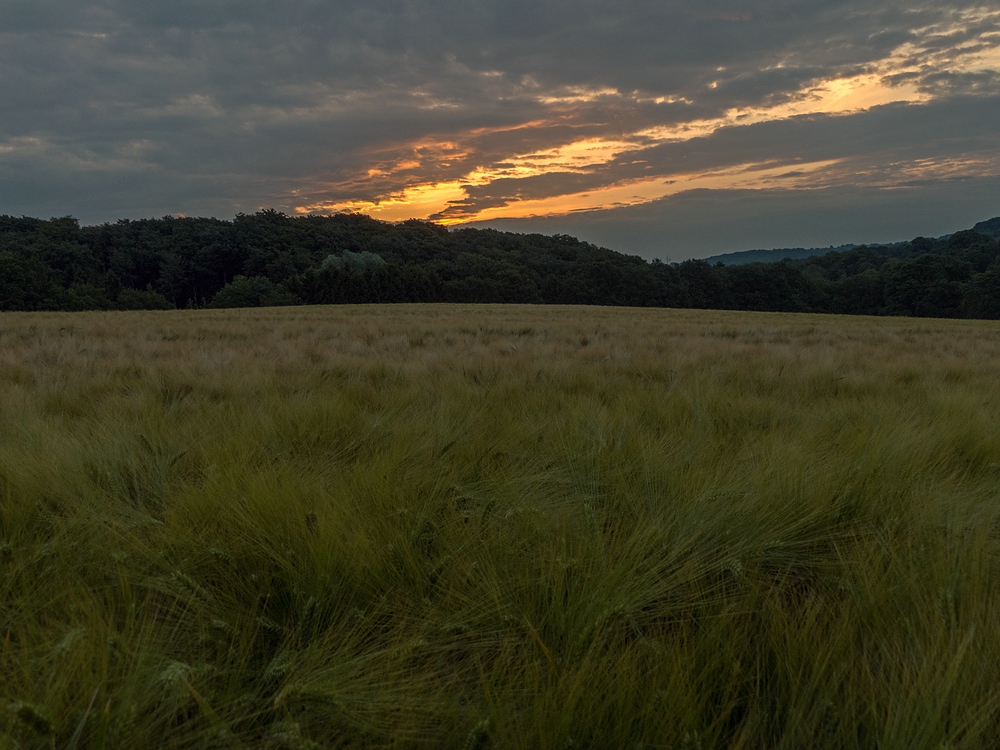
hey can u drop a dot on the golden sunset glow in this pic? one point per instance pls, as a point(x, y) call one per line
point(829, 97)
point(643, 191)
point(614, 163)
point(572, 157)
point(418, 201)
point(577, 94)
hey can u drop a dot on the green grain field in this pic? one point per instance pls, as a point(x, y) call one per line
point(498, 527)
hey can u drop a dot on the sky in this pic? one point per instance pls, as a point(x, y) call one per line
point(662, 128)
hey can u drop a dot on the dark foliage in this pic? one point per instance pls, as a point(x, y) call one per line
point(271, 259)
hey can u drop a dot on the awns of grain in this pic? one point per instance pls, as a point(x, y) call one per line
point(497, 527)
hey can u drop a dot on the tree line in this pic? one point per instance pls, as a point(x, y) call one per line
point(268, 258)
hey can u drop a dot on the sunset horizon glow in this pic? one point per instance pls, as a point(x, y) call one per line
point(892, 80)
point(635, 124)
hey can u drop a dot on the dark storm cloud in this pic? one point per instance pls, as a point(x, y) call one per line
point(129, 108)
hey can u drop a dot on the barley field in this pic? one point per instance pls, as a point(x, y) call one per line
point(498, 527)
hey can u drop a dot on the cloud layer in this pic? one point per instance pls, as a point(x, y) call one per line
point(555, 114)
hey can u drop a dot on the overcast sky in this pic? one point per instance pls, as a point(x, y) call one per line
point(664, 128)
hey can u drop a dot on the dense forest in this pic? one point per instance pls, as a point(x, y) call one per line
point(271, 259)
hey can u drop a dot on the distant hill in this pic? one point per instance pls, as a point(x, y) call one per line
point(800, 253)
point(774, 256)
point(990, 227)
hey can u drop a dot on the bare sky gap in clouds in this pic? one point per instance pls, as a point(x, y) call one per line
point(660, 127)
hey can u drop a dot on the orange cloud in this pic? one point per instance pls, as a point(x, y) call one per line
point(634, 192)
point(895, 79)
point(419, 201)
